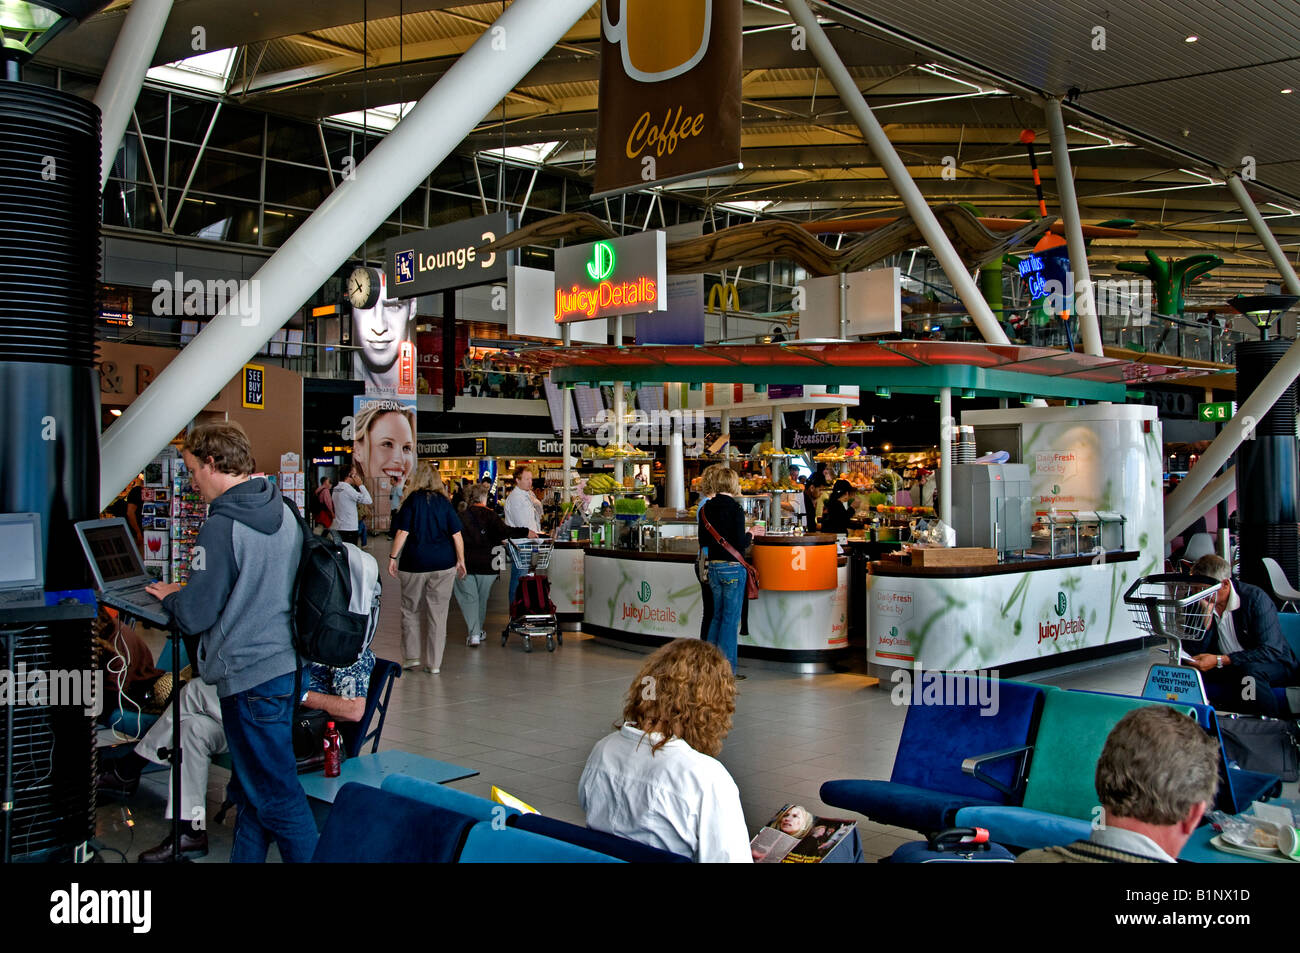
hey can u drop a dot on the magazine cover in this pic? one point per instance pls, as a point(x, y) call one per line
point(796, 836)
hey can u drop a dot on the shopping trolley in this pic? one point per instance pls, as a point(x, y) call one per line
point(532, 613)
point(1175, 606)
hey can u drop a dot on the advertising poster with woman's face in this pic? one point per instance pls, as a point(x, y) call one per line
point(383, 438)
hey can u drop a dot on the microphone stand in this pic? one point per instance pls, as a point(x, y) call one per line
point(173, 754)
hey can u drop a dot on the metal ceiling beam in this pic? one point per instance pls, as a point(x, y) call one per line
point(359, 206)
point(926, 221)
point(119, 88)
point(1081, 293)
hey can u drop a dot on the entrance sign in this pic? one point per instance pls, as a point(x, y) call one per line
point(669, 91)
point(447, 257)
point(615, 276)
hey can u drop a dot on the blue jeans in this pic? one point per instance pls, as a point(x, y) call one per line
point(264, 784)
point(727, 580)
point(515, 576)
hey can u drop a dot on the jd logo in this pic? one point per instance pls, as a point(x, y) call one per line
point(644, 594)
point(602, 261)
point(1056, 489)
point(1061, 604)
point(893, 632)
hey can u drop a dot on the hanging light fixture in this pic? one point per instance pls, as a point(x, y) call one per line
point(1262, 310)
point(27, 25)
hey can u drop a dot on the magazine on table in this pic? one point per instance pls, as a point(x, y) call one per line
point(795, 836)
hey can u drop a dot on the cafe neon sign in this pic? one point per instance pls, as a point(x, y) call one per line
point(607, 295)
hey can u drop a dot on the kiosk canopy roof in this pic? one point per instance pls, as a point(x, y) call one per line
point(908, 366)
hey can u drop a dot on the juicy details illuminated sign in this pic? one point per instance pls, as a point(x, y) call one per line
point(611, 277)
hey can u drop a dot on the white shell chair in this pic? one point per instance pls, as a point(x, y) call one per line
point(1282, 589)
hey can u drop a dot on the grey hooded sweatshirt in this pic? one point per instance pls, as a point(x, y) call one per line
point(238, 602)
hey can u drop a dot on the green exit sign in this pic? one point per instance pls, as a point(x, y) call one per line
point(1216, 413)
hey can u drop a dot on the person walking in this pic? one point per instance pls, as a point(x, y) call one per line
point(240, 604)
point(428, 556)
point(523, 511)
point(323, 509)
point(706, 590)
point(482, 531)
point(723, 522)
point(394, 503)
point(347, 496)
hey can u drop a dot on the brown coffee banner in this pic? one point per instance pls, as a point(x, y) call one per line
point(669, 91)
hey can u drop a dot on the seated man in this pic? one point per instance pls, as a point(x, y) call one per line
point(656, 780)
point(1244, 654)
point(339, 691)
point(1156, 777)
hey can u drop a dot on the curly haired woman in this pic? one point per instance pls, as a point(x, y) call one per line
point(656, 780)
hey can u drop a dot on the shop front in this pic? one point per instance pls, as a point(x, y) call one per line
point(1078, 519)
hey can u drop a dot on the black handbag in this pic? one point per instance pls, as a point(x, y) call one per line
point(309, 726)
point(1257, 743)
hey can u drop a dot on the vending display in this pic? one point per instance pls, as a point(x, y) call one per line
point(188, 511)
point(155, 516)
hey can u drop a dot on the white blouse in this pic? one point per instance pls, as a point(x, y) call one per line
point(676, 799)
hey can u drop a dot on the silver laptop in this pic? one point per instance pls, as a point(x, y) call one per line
point(119, 573)
point(22, 563)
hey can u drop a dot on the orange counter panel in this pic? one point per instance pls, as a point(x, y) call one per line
point(795, 568)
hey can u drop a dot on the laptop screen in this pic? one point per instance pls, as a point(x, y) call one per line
point(113, 552)
point(19, 551)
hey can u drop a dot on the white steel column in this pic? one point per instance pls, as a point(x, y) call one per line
point(675, 481)
point(444, 116)
point(566, 422)
point(1085, 303)
point(1220, 488)
point(1265, 234)
point(119, 87)
point(1220, 451)
point(884, 151)
point(947, 432)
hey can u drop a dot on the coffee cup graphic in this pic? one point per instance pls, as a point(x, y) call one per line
point(659, 39)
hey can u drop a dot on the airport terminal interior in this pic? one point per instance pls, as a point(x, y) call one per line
point(649, 431)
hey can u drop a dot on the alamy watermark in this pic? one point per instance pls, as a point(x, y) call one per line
point(57, 688)
point(919, 686)
point(653, 427)
point(192, 297)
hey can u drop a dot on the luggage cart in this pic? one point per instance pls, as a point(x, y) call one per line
point(532, 614)
point(1178, 608)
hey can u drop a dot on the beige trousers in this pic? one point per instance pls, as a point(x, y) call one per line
point(426, 599)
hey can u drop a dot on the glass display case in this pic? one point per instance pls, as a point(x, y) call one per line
point(1055, 535)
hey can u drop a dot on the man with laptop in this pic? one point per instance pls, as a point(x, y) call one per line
point(238, 601)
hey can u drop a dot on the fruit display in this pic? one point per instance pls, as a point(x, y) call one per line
point(833, 424)
point(612, 453)
point(763, 484)
point(603, 483)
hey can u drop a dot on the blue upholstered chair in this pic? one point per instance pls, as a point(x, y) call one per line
point(490, 844)
point(355, 735)
point(439, 795)
point(927, 786)
point(369, 825)
point(611, 845)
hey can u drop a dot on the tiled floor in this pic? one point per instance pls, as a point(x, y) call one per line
point(527, 723)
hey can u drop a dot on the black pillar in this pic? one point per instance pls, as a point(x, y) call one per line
point(448, 350)
point(1266, 472)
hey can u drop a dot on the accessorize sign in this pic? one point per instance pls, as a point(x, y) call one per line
point(669, 91)
point(446, 257)
point(615, 276)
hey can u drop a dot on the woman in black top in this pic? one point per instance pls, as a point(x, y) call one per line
point(483, 531)
point(428, 556)
point(723, 515)
point(836, 513)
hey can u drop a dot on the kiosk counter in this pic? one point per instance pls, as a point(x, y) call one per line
point(648, 598)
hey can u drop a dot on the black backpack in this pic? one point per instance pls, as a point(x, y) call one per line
point(325, 629)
